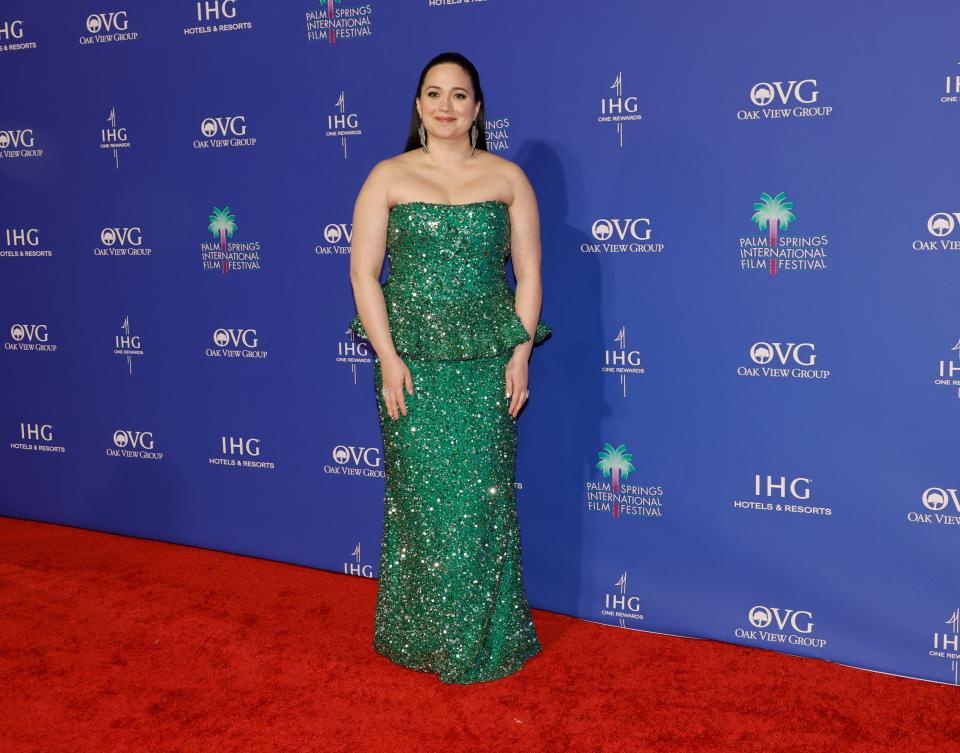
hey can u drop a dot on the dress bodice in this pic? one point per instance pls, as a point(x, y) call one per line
point(447, 294)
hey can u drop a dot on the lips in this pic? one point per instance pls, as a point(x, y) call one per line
point(446, 120)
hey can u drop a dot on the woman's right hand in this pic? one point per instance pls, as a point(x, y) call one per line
point(396, 377)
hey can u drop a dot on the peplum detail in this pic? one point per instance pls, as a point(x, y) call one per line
point(455, 330)
point(447, 296)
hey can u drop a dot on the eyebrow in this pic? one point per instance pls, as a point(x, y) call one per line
point(434, 86)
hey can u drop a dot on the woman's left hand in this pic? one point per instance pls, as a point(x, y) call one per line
point(516, 382)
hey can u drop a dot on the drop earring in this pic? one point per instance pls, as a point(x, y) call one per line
point(423, 136)
point(473, 138)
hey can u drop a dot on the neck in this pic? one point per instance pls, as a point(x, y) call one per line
point(446, 153)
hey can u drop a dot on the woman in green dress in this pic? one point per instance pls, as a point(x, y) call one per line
point(452, 344)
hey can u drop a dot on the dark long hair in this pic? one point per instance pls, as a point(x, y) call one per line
point(413, 136)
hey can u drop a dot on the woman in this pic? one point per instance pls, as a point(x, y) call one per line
point(452, 342)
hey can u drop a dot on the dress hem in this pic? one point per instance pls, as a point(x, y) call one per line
point(501, 673)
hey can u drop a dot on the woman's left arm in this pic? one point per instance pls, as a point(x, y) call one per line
point(525, 252)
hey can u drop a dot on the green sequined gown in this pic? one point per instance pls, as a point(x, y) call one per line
point(451, 598)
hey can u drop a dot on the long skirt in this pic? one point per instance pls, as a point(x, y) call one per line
point(451, 598)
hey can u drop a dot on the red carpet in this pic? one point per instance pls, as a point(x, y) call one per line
point(110, 643)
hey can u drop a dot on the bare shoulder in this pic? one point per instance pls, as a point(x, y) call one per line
point(511, 174)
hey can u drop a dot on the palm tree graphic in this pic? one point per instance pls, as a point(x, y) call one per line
point(331, 32)
point(770, 213)
point(222, 226)
point(615, 460)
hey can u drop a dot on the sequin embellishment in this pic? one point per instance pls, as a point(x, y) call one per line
point(451, 598)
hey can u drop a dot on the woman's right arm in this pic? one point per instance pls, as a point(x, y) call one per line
point(368, 242)
point(366, 259)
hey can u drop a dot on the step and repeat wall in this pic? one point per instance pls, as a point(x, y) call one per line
point(744, 425)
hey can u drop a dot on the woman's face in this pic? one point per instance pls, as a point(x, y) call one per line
point(446, 102)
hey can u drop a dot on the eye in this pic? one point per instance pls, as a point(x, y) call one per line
point(461, 95)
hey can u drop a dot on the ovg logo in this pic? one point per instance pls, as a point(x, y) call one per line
point(108, 27)
point(778, 625)
point(621, 235)
point(937, 499)
point(943, 505)
point(618, 109)
point(19, 143)
point(225, 131)
point(617, 498)
point(940, 225)
point(350, 460)
point(774, 252)
point(790, 360)
point(337, 237)
point(32, 337)
point(231, 342)
point(797, 99)
point(121, 241)
point(800, 621)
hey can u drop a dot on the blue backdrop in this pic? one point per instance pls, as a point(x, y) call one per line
point(741, 428)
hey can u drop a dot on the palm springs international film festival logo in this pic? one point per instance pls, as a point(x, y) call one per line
point(949, 373)
point(224, 132)
point(337, 20)
point(779, 625)
point(19, 143)
point(30, 337)
point(618, 109)
point(222, 255)
point(12, 36)
point(22, 242)
point(774, 252)
point(946, 644)
point(132, 444)
point(619, 499)
point(622, 361)
point(342, 124)
point(783, 360)
point(622, 605)
point(104, 28)
point(114, 137)
point(231, 342)
point(216, 16)
point(940, 225)
point(127, 344)
point(774, 100)
point(942, 505)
